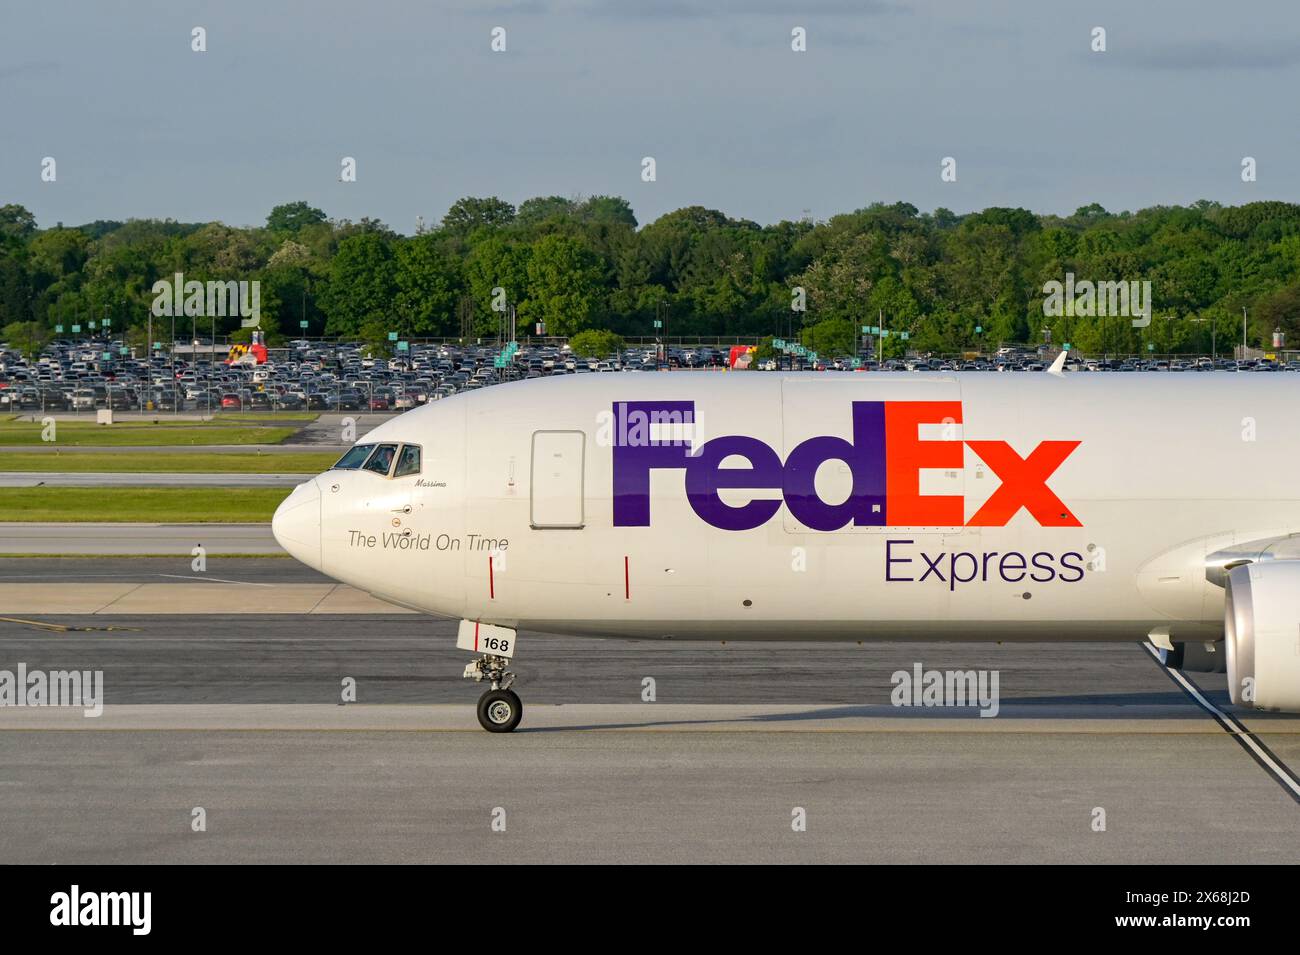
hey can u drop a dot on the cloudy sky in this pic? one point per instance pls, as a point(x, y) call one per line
point(140, 125)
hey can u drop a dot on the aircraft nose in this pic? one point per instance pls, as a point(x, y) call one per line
point(296, 524)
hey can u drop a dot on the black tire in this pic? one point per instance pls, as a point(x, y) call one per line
point(499, 711)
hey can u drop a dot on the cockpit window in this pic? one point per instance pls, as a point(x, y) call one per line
point(381, 462)
point(354, 457)
point(408, 462)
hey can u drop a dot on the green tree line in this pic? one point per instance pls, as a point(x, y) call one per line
point(954, 282)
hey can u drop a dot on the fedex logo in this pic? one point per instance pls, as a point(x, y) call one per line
point(885, 456)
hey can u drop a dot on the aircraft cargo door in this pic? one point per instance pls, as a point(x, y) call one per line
point(557, 479)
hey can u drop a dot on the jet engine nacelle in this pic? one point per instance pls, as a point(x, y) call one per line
point(1262, 635)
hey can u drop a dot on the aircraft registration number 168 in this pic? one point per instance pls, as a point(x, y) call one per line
point(485, 638)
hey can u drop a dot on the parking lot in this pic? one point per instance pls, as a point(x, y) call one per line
point(343, 376)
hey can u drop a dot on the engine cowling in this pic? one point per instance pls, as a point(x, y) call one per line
point(1262, 635)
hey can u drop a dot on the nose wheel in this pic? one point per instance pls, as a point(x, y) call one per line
point(499, 711)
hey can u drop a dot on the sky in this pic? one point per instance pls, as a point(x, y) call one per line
point(141, 125)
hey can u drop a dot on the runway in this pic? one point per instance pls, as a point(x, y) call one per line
point(20, 537)
point(225, 587)
point(145, 479)
point(109, 569)
point(54, 449)
point(411, 658)
point(244, 715)
point(327, 431)
point(567, 793)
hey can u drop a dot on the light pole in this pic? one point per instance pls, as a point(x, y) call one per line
point(661, 351)
point(1200, 321)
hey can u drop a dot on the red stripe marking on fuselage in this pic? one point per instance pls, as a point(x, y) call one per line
point(492, 584)
point(627, 581)
point(476, 636)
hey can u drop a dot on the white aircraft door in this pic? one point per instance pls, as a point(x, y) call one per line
point(556, 485)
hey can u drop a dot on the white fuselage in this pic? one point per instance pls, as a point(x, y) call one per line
point(942, 506)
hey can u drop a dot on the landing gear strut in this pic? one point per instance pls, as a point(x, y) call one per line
point(499, 709)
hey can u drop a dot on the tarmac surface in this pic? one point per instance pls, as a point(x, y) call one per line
point(94, 569)
point(21, 537)
point(412, 658)
point(123, 585)
point(244, 715)
point(145, 479)
point(54, 448)
point(327, 431)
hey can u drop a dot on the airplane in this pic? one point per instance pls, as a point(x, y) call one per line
point(831, 506)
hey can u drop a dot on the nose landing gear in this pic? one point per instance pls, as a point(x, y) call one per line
point(499, 709)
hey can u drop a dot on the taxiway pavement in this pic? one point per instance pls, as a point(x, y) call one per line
point(628, 751)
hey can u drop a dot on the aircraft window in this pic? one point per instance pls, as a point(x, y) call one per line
point(408, 462)
point(354, 457)
point(381, 462)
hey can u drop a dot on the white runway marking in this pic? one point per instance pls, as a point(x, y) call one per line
point(215, 580)
point(1234, 728)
